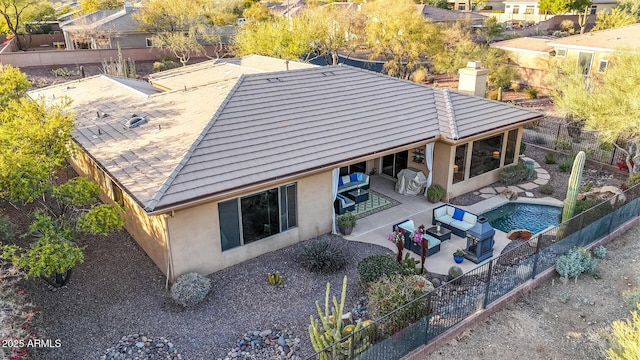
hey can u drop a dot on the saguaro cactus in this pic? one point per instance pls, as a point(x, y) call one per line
point(574, 186)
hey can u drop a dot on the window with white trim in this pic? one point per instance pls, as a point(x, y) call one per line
point(149, 42)
point(602, 66)
point(561, 52)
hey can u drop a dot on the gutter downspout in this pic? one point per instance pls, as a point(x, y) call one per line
point(170, 257)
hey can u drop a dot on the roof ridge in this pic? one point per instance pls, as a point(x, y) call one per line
point(450, 113)
point(187, 156)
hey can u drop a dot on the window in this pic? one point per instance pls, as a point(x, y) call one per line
point(593, 9)
point(116, 194)
point(350, 169)
point(462, 7)
point(602, 66)
point(149, 42)
point(516, 9)
point(529, 9)
point(584, 62)
point(251, 218)
point(510, 151)
point(459, 164)
point(485, 155)
point(561, 52)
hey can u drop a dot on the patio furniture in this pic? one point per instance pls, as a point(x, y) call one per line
point(343, 204)
point(442, 235)
point(358, 195)
point(408, 227)
point(454, 219)
point(411, 182)
point(352, 182)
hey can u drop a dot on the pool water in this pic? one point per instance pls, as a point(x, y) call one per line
point(533, 217)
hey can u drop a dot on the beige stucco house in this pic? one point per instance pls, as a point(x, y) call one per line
point(240, 157)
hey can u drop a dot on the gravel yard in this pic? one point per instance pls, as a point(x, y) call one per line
point(119, 291)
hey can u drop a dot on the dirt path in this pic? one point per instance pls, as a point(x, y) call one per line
point(558, 321)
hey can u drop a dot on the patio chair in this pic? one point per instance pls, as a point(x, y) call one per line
point(343, 204)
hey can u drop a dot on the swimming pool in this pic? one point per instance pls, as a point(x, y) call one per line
point(533, 217)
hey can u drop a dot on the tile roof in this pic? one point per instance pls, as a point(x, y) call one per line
point(603, 40)
point(244, 129)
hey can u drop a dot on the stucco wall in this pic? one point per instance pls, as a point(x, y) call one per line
point(572, 55)
point(195, 232)
point(148, 231)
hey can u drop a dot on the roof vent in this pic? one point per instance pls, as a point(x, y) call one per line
point(101, 114)
point(328, 73)
point(134, 121)
point(274, 80)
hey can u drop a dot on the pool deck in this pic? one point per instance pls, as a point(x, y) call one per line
point(376, 228)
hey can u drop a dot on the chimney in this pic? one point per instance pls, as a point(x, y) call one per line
point(473, 79)
point(128, 7)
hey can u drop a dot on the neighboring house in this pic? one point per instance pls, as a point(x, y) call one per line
point(105, 29)
point(530, 7)
point(591, 50)
point(531, 57)
point(239, 157)
point(438, 15)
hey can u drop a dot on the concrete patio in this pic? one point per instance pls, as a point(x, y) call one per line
point(376, 228)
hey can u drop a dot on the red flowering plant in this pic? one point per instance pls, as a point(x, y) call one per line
point(418, 237)
point(17, 315)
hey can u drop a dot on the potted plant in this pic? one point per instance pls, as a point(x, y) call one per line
point(458, 256)
point(435, 193)
point(346, 222)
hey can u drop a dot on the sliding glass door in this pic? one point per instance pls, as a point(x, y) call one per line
point(392, 164)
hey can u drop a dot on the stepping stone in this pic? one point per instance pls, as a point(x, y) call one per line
point(542, 171)
point(541, 181)
point(528, 194)
point(487, 196)
point(528, 186)
point(500, 189)
point(488, 190)
point(515, 189)
point(544, 176)
point(525, 158)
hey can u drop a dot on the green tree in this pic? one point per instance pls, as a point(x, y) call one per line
point(42, 11)
point(616, 17)
point(89, 6)
point(11, 11)
point(257, 12)
point(608, 103)
point(396, 32)
point(35, 141)
point(442, 4)
point(630, 6)
point(491, 29)
point(13, 84)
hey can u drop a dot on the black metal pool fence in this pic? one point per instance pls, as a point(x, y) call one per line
point(569, 138)
point(424, 319)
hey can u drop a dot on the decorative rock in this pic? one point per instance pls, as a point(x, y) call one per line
point(510, 194)
point(281, 341)
point(436, 282)
point(265, 333)
point(267, 344)
point(138, 346)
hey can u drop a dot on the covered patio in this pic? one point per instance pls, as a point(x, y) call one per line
point(375, 227)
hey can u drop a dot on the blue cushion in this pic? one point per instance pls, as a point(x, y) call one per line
point(359, 175)
point(340, 183)
point(353, 177)
point(340, 197)
point(458, 214)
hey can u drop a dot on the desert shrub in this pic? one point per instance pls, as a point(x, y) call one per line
point(391, 292)
point(454, 272)
point(563, 143)
point(514, 175)
point(626, 337)
point(62, 72)
point(566, 164)
point(538, 139)
point(7, 229)
point(493, 95)
point(487, 7)
point(190, 289)
point(605, 145)
point(549, 158)
point(546, 189)
point(633, 180)
point(600, 252)
point(435, 193)
point(531, 93)
point(420, 75)
point(577, 261)
point(584, 205)
point(560, 34)
point(632, 297)
point(164, 64)
point(323, 256)
point(371, 268)
point(567, 25)
point(410, 265)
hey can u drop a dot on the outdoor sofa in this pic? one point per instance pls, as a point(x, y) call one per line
point(343, 204)
point(454, 219)
point(408, 227)
point(353, 181)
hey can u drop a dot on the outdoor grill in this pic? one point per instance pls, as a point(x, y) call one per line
point(480, 241)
